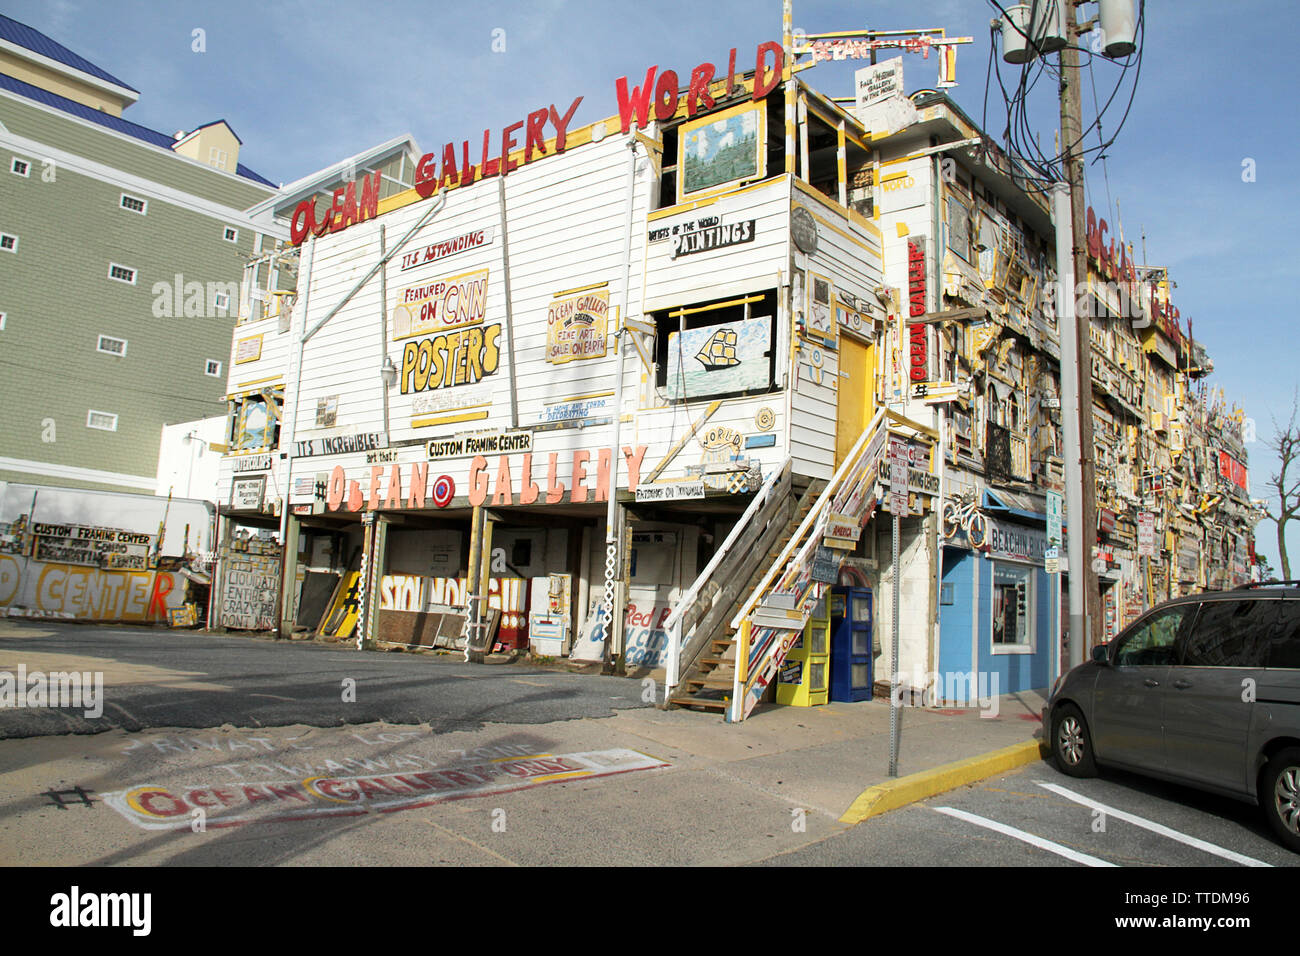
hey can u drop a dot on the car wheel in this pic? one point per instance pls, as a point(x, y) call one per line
point(1071, 743)
point(1279, 795)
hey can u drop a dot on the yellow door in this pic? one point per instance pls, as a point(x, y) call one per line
point(857, 391)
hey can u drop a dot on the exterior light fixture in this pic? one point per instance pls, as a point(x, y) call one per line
point(388, 372)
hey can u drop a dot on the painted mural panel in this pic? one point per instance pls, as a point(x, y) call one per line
point(720, 359)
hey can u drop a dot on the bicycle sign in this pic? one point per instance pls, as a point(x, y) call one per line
point(962, 514)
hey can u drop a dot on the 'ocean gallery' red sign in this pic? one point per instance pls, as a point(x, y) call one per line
point(588, 480)
point(916, 307)
point(452, 166)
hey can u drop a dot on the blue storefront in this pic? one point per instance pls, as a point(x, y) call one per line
point(999, 609)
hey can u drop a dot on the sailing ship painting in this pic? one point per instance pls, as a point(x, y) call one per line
point(719, 359)
point(720, 351)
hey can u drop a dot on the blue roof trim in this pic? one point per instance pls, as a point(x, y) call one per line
point(36, 41)
point(993, 503)
point(108, 121)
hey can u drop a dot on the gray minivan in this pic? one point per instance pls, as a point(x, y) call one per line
point(1202, 690)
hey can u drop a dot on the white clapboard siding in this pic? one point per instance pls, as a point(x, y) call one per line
point(849, 256)
point(274, 360)
point(732, 270)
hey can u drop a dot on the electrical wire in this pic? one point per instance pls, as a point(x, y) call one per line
point(1018, 135)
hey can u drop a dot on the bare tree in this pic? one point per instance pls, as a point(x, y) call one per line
point(1285, 483)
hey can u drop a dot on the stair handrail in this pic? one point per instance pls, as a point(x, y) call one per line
point(847, 466)
point(673, 623)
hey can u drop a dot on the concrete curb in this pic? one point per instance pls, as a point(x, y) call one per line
point(884, 797)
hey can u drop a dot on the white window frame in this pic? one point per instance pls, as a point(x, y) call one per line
point(90, 413)
point(2, 321)
point(217, 302)
point(217, 157)
point(135, 273)
point(8, 235)
point(99, 345)
point(26, 173)
point(230, 234)
point(209, 370)
point(1031, 609)
point(144, 204)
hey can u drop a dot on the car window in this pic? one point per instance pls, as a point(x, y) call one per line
point(1231, 634)
point(1152, 641)
point(1284, 645)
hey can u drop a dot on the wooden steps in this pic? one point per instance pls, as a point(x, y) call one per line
point(708, 681)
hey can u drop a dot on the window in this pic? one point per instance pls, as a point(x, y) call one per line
point(217, 157)
point(20, 167)
point(1284, 645)
point(959, 228)
point(1152, 641)
point(121, 273)
point(104, 421)
point(1231, 634)
point(2, 321)
point(213, 367)
point(230, 235)
point(722, 347)
point(221, 300)
point(111, 345)
point(1013, 608)
point(134, 203)
point(8, 242)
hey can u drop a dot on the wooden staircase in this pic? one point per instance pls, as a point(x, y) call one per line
point(708, 662)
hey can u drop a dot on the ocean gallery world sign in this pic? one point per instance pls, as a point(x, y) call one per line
point(657, 97)
point(581, 477)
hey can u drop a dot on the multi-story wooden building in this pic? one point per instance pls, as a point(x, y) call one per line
point(682, 362)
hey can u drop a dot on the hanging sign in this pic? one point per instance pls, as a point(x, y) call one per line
point(1146, 522)
point(1055, 513)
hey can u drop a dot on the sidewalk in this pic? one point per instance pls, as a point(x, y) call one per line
point(825, 757)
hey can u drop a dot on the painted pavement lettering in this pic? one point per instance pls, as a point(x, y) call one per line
point(154, 807)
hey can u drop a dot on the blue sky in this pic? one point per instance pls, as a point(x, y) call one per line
point(305, 84)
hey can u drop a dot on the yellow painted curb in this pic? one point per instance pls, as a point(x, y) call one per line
point(918, 786)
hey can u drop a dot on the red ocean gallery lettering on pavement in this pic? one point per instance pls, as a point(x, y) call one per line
point(659, 94)
point(485, 484)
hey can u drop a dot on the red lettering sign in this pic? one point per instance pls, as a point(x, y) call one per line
point(916, 288)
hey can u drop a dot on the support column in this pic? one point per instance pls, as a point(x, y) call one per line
point(289, 577)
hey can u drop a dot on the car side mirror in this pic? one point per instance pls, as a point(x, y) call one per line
point(1101, 654)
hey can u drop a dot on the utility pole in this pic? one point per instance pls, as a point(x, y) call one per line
point(1084, 524)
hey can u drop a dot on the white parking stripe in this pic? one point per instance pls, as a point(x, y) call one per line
point(1029, 838)
point(1152, 826)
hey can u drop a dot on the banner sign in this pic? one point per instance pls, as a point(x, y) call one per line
point(576, 327)
point(480, 443)
point(1016, 542)
point(878, 82)
point(88, 546)
point(252, 463)
point(341, 444)
point(246, 493)
point(449, 247)
point(676, 491)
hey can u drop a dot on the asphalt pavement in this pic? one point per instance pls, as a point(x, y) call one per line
point(165, 678)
